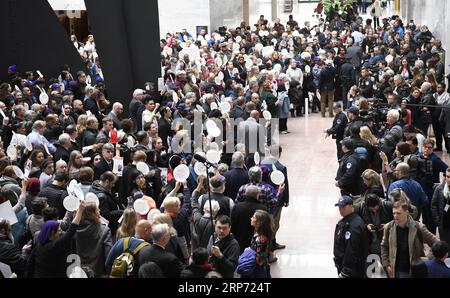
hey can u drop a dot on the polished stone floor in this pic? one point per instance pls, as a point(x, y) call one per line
point(307, 225)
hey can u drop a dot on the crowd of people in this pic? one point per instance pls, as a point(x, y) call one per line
point(146, 208)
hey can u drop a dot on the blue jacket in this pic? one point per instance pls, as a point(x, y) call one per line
point(412, 189)
point(117, 250)
point(437, 269)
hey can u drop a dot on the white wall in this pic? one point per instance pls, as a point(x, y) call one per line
point(175, 15)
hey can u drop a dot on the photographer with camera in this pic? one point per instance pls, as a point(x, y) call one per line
point(391, 134)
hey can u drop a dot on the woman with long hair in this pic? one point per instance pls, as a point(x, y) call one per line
point(129, 221)
point(261, 242)
point(367, 135)
point(75, 164)
point(93, 240)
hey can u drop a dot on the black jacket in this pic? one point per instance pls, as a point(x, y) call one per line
point(366, 86)
point(351, 246)
point(50, 259)
point(168, 262)
point(164, 130)
point(326, 79)
point(339, 123)
point(109, 207)
point(89, 137)
point(229, 248)
point(195, 271)
point(11, 255)
point(101, 167)
point(349, 174)
point(55, 195)
point(235, 178)
point(240, 221)
point(224, 202)
point(61, 153)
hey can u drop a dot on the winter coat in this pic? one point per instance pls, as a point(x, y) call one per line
point(229, 248)
point(203, 227)
point(283, 106)
point(109, 207)
point(93, 243)
point(240, 221)
point(438, 204)
point(418, 235)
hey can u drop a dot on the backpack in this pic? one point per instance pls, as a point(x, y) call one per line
point(123, 265)
point(247, 263)
point(363, 157)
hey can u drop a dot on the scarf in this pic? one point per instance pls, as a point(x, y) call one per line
point(446, 191)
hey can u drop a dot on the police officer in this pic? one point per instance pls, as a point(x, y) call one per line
point(354, 120)
point(350, 241)
point(348, 177)
point(337, 130)
point(366, 83)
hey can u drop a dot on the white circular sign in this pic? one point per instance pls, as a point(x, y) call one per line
point(256, 158)
point(200, 169)
point(43, 98)
point(152, 214)
point(181, 173)
point(70, 187)
point(11, 151)
point(78, 192)
point(92, 198)
point(71, 203)
point(143, 168)
point(277, 177)
point(141, 207)
point(267, 115)
point(213, 156)
point(218, 81)
point(214, 106)
point(238, 39)
point(249, 63)
point(18, 172)
point(220, 76)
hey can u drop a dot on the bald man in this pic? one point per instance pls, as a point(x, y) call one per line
point(115, 114)
point(140, 241)
point(411, 187)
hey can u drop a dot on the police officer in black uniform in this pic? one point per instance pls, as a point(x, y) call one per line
point(337, 130)
point(351, 242)
point(366, 83)
point(348, 177)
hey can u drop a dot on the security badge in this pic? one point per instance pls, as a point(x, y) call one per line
point(339, 121)
point(347, 235)
point(367, 83)
point(349, 165)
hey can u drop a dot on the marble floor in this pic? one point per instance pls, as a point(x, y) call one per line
point(307, 225)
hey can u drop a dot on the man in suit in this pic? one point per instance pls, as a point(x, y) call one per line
point(241, 215)
point(354, 53)
point(115, 114)
point(274, 159)
point(236, 176)
point(253, 132)
point(169, 264)
point(106, 163)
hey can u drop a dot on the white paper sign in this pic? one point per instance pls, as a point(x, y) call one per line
point(7, 212)
point(160, 84)
point(118, 166)
point(5, 270)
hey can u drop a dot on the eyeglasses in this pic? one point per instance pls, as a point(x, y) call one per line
point(428, 147)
